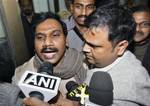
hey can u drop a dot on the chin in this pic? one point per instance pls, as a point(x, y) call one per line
point(90, 61)
point(50, 61)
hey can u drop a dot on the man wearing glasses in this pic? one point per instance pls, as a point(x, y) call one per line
point(141, 15)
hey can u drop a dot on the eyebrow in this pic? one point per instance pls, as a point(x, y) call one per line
point(57, 30)
point(83, 4)
point(39, 33)
point(91, 44)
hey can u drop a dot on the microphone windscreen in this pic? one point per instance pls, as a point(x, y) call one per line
point(71, 85)
point(101, 89)
point(46, 68)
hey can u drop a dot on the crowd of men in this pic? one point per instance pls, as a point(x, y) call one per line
point(99, 36)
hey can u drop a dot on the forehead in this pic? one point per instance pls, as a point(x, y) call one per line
point(96, 35)
point(140, 16)
point(25, 2)
point(49, 24)
point(84, 2)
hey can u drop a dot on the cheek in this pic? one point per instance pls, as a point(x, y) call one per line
point(101, 56)
point(147, 32)
point(61, 44)
point(38, 46)
point(89, 12)
point(76, 12)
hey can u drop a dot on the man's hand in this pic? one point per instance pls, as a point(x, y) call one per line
point(32, 101)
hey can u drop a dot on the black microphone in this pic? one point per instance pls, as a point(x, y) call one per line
point(46, 68)
point(77, 92)
point(101, 89)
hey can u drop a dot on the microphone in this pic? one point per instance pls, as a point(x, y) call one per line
point(77, 92)
point(42, 85)
point(101, 89)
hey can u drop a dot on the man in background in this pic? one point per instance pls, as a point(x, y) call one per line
point(27, 14)
point(80, 9)
point(141, 42)
point(76, 27)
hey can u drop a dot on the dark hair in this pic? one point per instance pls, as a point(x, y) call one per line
point(72, 1)
point(22, 1)
point(41, 17)
point(99, 3)
point(140, 8)
point(120, 22)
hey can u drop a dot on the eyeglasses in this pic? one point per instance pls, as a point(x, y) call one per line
point(144, 24)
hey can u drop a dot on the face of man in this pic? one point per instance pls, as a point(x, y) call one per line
point(26, 7)
point(98, 50)
point(143, 26)
point(81, 9)
point(50, 41)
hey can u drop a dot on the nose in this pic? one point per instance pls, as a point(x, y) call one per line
point(48, 41)
point(84, 12)
point(86, 48)
point(138, 28)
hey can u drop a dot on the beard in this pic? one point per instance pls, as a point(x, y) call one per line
point(78, 19)
point(49, 50)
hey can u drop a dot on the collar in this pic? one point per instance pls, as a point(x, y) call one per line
point(107, 68)
point(71, 23)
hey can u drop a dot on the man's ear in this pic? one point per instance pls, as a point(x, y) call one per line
point(71, 8)
point(121, 47)
point(67, 44)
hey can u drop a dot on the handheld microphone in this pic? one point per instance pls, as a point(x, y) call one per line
point(42, 84)
point(101, 89)
point(99, 92)
point(77, 92)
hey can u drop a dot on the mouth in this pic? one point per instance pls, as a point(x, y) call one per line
point(138, 34)
point(82, 19)
point(49, 54)
point(88, 57)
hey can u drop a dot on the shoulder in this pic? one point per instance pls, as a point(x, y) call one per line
point(131, 80)
point(77, 53)
point(69, 23)
point(129, 68)
point(8, 94)
point(29, 65)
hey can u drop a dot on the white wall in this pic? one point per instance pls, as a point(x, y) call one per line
point(47, 5)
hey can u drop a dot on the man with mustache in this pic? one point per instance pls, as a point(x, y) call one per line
point(50, 46)
point(80, 9)
point(141, 15)
point(76, 27)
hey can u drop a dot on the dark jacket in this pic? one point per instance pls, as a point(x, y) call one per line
point(146, 59)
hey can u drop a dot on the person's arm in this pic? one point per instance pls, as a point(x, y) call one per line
point(32, 101)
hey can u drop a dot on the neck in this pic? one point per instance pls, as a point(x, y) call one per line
point(143, 42)
point(82, 29)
